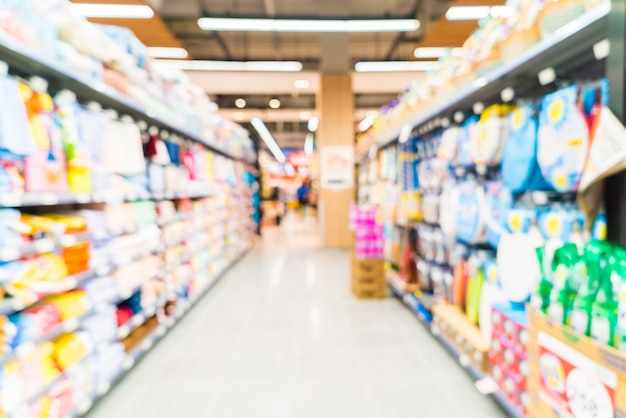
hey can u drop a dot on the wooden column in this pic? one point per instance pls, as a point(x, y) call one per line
point(335, 105)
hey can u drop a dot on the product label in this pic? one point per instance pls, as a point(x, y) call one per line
point(556, 312)
point(601, 330)
point(573, 384)
point(580, 321)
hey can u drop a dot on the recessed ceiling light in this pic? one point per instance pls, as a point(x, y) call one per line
point(302, 84)
point(274, 103)
point(396, 66)
point(240, 103)
point(167, 52)
point(113, 11)
point(436, 52)
point(307, 25)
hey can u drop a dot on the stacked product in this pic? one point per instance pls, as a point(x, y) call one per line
point(368, 273)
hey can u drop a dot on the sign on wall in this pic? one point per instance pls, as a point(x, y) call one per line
point(337, 167)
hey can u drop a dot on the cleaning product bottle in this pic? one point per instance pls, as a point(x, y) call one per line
point(589, 272)
point(621, 308)
point(540, 299)
point(563, 293)
point(604, 309)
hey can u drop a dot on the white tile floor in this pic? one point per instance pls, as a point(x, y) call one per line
point(281, 336)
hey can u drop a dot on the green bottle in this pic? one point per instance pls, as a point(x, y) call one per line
point(621, 306)
point(540, 299)
point(588, 272)
point(604, 309)
point(563, 292)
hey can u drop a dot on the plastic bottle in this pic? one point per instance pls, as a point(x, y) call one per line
point(563, 292)
point(604, 309)
point(540, 299)
point(621, 307)
point(588, 271)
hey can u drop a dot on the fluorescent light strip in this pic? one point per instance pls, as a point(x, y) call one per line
point(167, 52)
point(366, 124)
point(259, 66)
point(307, 25)
point(396, 66)
point(477, 12)
point(436, 52)
point(114, 11)
point(269, 140)
point(309, 144)
point(313, 124)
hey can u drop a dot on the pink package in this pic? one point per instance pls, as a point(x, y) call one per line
point(45, 171)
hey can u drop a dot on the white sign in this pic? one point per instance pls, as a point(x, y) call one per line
point(337, 167)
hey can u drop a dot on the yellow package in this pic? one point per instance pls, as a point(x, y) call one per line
point(71, 304)
point(40, 224)
point(72, 224)
point(412, 205)
point(68, 350)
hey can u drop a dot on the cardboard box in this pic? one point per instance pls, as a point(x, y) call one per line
point(459, 331)
point(571, 374)
point(368, 278)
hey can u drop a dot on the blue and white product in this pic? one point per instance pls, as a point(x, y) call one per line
point(499, 200)
point(470, 223)
point(563, 140)
point(520, 169)
point(465, 144)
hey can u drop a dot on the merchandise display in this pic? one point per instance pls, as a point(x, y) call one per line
point(115, 220)
point(501, 203)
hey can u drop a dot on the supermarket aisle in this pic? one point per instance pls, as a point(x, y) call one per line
point(281, 336)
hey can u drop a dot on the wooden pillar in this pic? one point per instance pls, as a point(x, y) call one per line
point(335, 105)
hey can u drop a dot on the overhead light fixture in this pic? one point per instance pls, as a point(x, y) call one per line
point(366, 124)
point(302, 84)
point(254, 66)
point(313, 124)
point(307, 25)
point(289, 170)
point(240, 103)
point(167, 52)
point(478, 12)
point(274, 104)
point(309, 144)
point(269, 140)
point(113, 11)
point(396, 66)
point(436, 52)
point(306, 115)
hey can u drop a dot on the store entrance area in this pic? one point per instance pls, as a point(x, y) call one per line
point(282, 336)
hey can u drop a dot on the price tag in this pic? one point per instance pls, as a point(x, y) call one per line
point(138, 320)
point(71, 283)
point(17, 304)
point(481, 169)
point(70, 325)
point(435, 330)
point(126, 294)
point(147, 344)
point(547, 76)
point(68, 241)
point(464, 360)
point(9, 254)
point(507, 95)
point(123, 332)
point(540, 198)
point(26, 349)
point(602, 49)
point(478, 108)
point(481, 82)
point(486, 386)
point(128, 363)
point(10, 200)
point(84, 407)
point(459, 117)
point(44, 246)
point(82, 198)
point(160, 331)
point(48, 199)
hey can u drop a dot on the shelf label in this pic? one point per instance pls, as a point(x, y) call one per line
point(478, 108)
point(486, 386)
point(138, 320)
point(82, 198)
point(602, 49)
point(70, 325)
point(160, 331)
point(507, 95)
point(48, 199)
point(44, 246)
point(11, 199)
point(147, 344)
point(68, 240)
point(123, 332)
point(458, 117)
point(84, 407)
point(547, 76)
point(464, 360)
point(128, 363)
point(540, 198)
point(26, 349)
point(104, 388)
point(9, 254)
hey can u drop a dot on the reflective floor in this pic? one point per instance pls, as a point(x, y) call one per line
point(282, 336)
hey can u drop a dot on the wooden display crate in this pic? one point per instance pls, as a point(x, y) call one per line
point(571, 374)
point(454, 327)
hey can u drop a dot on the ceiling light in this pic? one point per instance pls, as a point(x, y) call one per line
point(309, 143)
point(274, 103)
point(477, 12)
point(257, 66)
point(115, 11)
point(302, 84)
point(307, 25)
point(306, 115)
point(289, 170)
point(240, 103)
point(269, 140)
point(314, 123)
point(396, 66)
point(436, 52)
point(167, 52)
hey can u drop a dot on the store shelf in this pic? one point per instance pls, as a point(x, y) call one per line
point(410, 301)
point(566, 47)
point(28, 62)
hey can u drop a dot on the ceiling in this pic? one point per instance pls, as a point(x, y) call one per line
point(175, 25)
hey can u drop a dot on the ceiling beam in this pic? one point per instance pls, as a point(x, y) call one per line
point(401, 36)
point(216, 36)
